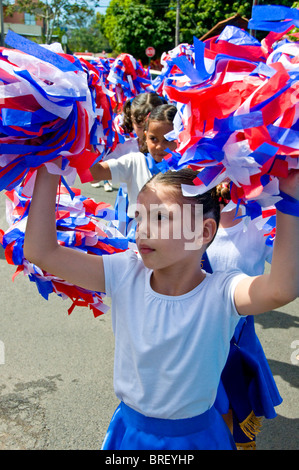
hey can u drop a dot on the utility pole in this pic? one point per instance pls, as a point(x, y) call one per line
point(254, 3)
point(177, 23)
point(1, 24)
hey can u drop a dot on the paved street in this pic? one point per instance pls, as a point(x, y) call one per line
point(56, 389)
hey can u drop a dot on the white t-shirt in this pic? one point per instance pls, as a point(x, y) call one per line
point(131, 169)
point(130, 145)
point(169, 351)
point(233, 248)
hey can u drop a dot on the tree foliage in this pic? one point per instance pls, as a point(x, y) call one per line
point(198, 17)
point(132, 25)
point(88, 36)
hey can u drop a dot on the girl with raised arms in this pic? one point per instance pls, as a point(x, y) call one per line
point(172, 321)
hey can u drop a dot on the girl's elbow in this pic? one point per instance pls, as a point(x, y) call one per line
point(100, 171)
point(285, 297)
point(31, 254)
point(36, 254)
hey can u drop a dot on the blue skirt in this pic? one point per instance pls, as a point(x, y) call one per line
point(130, 430)
point(247, 386)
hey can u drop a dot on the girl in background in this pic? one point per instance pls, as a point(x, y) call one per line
point(131, 125)
point(136, 168)
point(135, 113)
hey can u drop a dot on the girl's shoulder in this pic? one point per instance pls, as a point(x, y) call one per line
point(120, 267)
point(135, 156)
point(223, 283)
point(129, 257)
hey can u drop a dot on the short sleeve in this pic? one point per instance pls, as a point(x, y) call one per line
point(121, 169)
point(233, 280)
point(116, 268)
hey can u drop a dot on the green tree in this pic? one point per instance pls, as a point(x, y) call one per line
point(198, 17)
point(132, 26)
point(88, 36)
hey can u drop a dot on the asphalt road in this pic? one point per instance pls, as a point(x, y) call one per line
point(56, 370)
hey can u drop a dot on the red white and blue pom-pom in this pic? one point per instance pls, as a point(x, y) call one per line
point(47, 110)
point(238, 111)
point(82, 224)
point(238, 114)
point(127, 78)
point(53, 104)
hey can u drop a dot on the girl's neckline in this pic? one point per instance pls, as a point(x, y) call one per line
point(190, 293)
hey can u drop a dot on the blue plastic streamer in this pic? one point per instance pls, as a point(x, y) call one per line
point(212, 148)
point(274, 18)
point(278, 27)
point(274, 12)
point(237, 36)
point(253, 209)
point(244, 121)
point(18, 254)
point(270, 224)
point(287, 137)
point(11, 235)
point(20, 43)
point(21, 118)
point(188, 69)
point(71, 193)
point(208, 174)
point(264, 152)
point(199, 50)
point(263, 69)
point(44, 287)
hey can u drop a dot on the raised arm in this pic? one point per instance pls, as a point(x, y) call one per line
point(100, 171)
point(42, 249)
point(260, 294)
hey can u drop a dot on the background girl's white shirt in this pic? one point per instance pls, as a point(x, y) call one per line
point(131, 169)
point(236, 248)
point(130, 145)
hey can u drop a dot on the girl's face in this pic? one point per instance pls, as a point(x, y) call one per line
point(138, 129)
point(161, 236)
point(155, 139)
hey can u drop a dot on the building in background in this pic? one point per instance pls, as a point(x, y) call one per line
point(24, 24)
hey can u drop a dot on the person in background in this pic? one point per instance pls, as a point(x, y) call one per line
point(136, 168)
point(131, 124)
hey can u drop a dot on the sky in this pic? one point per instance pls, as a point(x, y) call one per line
point(103, 6)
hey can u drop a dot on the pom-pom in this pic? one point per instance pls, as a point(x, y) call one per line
point(47, 110)
point(238, 111)
point(82, 224)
